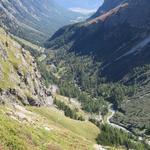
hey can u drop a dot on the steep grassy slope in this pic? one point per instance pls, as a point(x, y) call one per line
point(43, 129)
point(20, 80)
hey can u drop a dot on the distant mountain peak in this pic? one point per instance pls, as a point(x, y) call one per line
point(107, 14)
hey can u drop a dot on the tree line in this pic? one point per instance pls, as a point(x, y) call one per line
point(110, 136)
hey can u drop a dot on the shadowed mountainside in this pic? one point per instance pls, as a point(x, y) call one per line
point(110, 36)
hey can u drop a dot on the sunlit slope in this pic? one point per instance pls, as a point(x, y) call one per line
point(20, 79)
point(43, 128)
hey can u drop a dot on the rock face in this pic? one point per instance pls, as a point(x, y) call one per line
point(33, 20)
point(116, 35)
point(20, 80)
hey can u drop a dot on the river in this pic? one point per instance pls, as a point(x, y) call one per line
point(112, 113)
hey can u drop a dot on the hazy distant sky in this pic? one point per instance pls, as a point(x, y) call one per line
point(82, 6)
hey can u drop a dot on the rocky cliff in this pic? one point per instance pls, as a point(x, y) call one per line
point(20, 80)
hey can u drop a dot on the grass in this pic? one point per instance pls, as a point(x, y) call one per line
point(13, 61)
point(13, 135)
point(84, 129)
point(67, 134)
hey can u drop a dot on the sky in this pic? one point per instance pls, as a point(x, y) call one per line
point(81, 6)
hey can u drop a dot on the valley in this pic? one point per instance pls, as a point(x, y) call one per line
point(34, 21)
point(74, 86)
point(118, 41)
point(42, 127)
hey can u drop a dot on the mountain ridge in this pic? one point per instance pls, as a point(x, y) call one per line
point(33, 20)
point(118, 26)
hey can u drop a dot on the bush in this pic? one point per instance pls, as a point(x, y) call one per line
point(72, 113)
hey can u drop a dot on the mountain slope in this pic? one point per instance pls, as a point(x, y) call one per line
point(23, 124)
point(39, 128)
point(118, 37)
point(109, 36)
point(20, 80)
point(33, 20)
